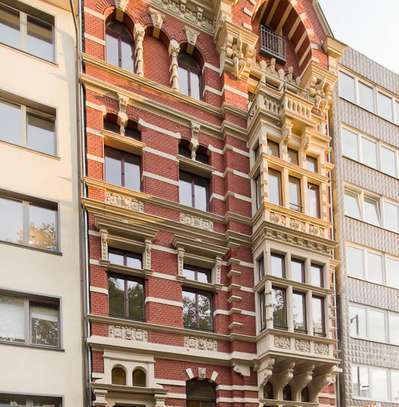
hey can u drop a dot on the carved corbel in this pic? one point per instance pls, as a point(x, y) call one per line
point(265, 371)
point(104, 245)
point(122, 115)
point(174, 49)
point(194, 143)
point(321, 380)
point(180, 261)
point(147, 254)
point(139, 33)
point(157, 21)
point(192, 36)
point(305, 142)
point(120, 7)
point(287, 134)
point(302, 379)
point(283, 377)
point(242, 369)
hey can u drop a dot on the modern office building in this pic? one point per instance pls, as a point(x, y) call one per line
point(40, 295)
point(211, 269)
point(366, 157)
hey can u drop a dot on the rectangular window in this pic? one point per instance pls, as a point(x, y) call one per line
point(379, 383)
point(262, 310)
point(374, 268)
point(197, 309)
point(279, 308)
point(126, 297)
point(314, 200)
point(260, 262)
point(295, 194)
point(11, 400)
point(292, 156)
point(357, 322)
point(351, 205)
point(394, 328)
point(360, 381)
point(38, 37)
point(28, 222)
point(385, 106)
point(366, 98)
point(388, 161)
point(277, 265)
point(258, 192)
point(347, 87)
point(354, 262)
point(371, 211)
point(311, 163)
point(122, 169)
point(369, 152)
point(395, 386)
point(299, 311)
point(275, 187)
point(195, 273)
point(318, 316)
point(29, 321)
point(273, 148)
point(316, 275)
point(350, 144)
point(193, 191)
point(298, 270)
point(125, 258)
point(376, 322)
point(392, 269)
point(391, 216)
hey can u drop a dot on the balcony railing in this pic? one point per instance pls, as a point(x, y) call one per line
point(272, 44)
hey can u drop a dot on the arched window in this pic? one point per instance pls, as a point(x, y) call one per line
point(305, 397)
point(184, 148)
point(139, 378)
point(268, 391)
point(200, 393)
point(189, 76)
point(118, 376)
point(287, 394)
point(111, 123)
point(119, 46)
point(201, 155)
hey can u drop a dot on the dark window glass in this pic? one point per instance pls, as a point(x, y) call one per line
point(279, 308)
point(318, 316)
point(287, 393)
point(139, 378)
point(11, 123)
point(305, 396)
point(193, 191)
point(184, 148)
point(126, 297)
point(124, 258)
point(275, 187)
point(256, 151)
point(262, 310)
point(40, 38)
point(111, 123)
point(9, 26)
point(119, 46)
point(295, 194)
point(273, 148)
point(201, 155)
point(292, 156)
point(314, 200)
point(197, 309)
point(118, 376)
point(311, 163)
point(44, 325)
point(40, 133)
point(200, 393)
point(122, 169)
point(299, 311)
point(277, 265)
point(268, 391)
point(189, 76)
point(316, 271)
point(132, 131)
point(261, 267)
point(298, 270)
point(258, 192)
point(199, 274)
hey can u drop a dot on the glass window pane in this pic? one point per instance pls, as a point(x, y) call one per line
point(314, 200)
point(379, 380)
point(273, 148)
point(40, 38)
point(44, 326)
point(115, 257)
point(277, 268)
point(374, 267)
point(376, 325)
point(11, 221)
point(261, 267)
point(134, 261)
point(40, 134)
point(279, 308)
point(116, 291)
point(203, 276)
point(185, 192)
point(371, 212)
point(369, 152)
point(11, 119)
point(397, 111)
point(350, 147)
point(360, 381)
point(392, 267)
point(195, 86)
point(357, 322)
point(354, 259)
point(201, 194)
point(258, 192)
point(311, 164)
point(394, 328)
point(388, 161)
point(113, 169)
point(298, 270)
point(262, 310)
point(112, 50)
point(14, 401)
point(385, 106)
point(351, 205)
point(9, 27)
point(42, 227)
point(316, 275)
point(295, 194)
point(12, 317)
point(135, 297)
point(292, 156)
point(189, 272)
point(189, 309)
point(274, 187)
point(391, 216)
point(132, 173)
point(204, 312)
point(395, 385)
point(299, 311)
point(318, 315)
point(127, 56)
point(366, 96)
point(346, 87)
point(183, 81)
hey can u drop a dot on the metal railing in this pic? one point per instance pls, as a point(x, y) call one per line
point(272, 43)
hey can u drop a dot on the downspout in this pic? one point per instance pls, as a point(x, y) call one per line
point(83, 245)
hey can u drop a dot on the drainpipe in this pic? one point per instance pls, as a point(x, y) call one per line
point(81, 191)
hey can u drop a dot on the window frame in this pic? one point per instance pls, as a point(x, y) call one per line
point(284, 326)
point(125, 255)
point(191, 69)
point(297, 207)
point(194, 178)
point(31, 400)
point(118, 38)
point(210, 297)
point(278, 175)
point(323, 331)
point(196, 270)
point(303, 311)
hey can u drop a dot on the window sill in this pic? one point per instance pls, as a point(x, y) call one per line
point(23, 52)
point(26, 345)
point(25, 246)
point(186, 282)
point(194, 166)
point(31, 150)
point(123, 143)
point(128, 271)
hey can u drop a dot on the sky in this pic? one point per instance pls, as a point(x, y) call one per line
point(369, 26)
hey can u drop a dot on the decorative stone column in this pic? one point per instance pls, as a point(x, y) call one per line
point(180, 261)
point(147, 254)
point(218, 270)
point(174, 49)
point(139, 33)
point(104, 245)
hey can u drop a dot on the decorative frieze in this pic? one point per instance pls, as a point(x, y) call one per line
point(128, 333)
point(198, 343)
point(321, 348)
point(302, 345)
point(124, 202)
point(196, 221)
point(282, 342)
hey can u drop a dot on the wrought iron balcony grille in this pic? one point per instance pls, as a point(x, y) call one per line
point(272, 44)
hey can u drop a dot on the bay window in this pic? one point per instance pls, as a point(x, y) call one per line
point(292, 156)
point(273, 148)
point(294, 188)
point(275, 187)
point(316, 275)
point(298, 270)
point(314, 200)
point(318, 316)
point(299, 311)
point(277, 265)
point(311, 164)
point(258, 192)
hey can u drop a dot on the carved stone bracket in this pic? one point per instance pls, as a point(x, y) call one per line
point(243, 370)
point(265, 371)
point(194, 143)
point(139, 33)
point(120, 7)
point(157, 19)
point(302, 379)
point(174, 49)
point(191, 36)
point(283, 376)
point(122, 113)
point(100, 397)
point(321, 380)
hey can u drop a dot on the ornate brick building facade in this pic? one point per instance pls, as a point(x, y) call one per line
point(211, 270)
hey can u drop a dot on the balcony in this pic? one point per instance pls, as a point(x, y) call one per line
point(272, 44)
